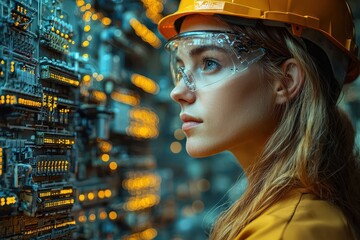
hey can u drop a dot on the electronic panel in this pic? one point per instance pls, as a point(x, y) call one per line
point(37, 139)
point(74, 139)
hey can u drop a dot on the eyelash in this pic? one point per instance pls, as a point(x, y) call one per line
point(213, 62)
point(203, 65)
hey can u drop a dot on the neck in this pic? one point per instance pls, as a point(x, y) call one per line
point(248, 153)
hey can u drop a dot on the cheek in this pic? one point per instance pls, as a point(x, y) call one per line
point(235, 113)
point(245, 104)
point(244, 95)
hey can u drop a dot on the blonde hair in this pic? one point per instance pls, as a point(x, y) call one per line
point(312, 147)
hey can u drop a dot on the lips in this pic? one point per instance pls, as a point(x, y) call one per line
point(189, 122)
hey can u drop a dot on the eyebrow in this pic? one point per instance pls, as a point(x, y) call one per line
point(201, 49)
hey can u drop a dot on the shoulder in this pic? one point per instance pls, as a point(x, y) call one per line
point(299, 216)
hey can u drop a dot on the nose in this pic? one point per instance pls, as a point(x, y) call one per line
point(182, 94)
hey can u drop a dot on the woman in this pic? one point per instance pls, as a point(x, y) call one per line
point(262, 80)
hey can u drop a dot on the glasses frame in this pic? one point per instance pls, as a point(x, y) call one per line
point(231, 39)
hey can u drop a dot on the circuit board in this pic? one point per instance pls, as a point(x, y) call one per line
point(74, 160)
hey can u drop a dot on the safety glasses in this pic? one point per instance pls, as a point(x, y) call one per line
point(203, 58)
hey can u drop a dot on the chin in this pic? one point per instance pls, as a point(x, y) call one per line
point(199, 152)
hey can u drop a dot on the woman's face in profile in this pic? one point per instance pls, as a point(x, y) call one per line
point(235, 112)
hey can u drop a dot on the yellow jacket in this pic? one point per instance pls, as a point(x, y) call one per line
point(301, 216)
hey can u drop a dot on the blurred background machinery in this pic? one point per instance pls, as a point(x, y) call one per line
point(90, 145)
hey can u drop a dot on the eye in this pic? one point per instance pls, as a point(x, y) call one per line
point(210, 65)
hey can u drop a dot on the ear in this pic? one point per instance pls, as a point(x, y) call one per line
point(292, 83)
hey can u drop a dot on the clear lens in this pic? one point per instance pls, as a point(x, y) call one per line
point(204, 58)
point(188, 78)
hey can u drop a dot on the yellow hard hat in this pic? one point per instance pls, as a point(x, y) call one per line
point(331, 18)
